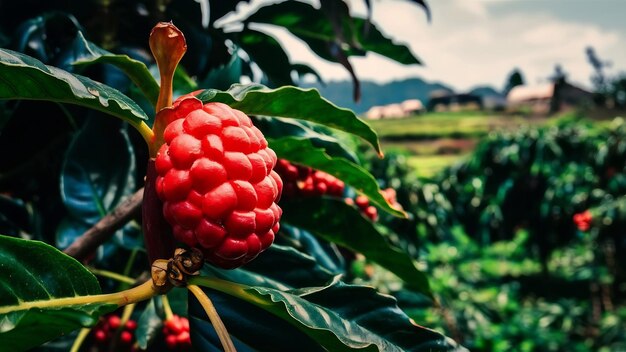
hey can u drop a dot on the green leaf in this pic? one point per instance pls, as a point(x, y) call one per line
point(223, 76)
point(301, 151)
point(340, 223)
point(136, 70)
point(276, 127)
point(326, 254)
point(292, 102)
point(183, 84)
point(149, 324)
point(33, 271)
point(357, 35)
point(337, 316)
point(304, 270)
point(23, 77)
point(267, 53)
point(98, 170)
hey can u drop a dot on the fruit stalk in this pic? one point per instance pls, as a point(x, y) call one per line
point(168, 46)
point(214, 317)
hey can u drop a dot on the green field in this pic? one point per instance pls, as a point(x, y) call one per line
point(434, 141)
point(426, 166)
point(442, 125)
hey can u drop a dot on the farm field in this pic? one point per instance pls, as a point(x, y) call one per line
point(434, 141)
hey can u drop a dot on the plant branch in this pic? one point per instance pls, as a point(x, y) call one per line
point(122, 298)
point(128, 311)
point(228, 287)
point(89, 241)
point(209, 308)
point(82, 335)
point(145, 131)
point(112, 275)
point(167, 309)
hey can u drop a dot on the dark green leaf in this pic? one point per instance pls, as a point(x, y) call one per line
point(48, 37)
point(325, 253)
point(22, 77)
point(301, 151)
point(266, 52)
point(303, 271)
point(337, 222)
point(223, 76)
point(250, 327)
point(149, 324)
point(134, 69)
point(98, 171)
point(15, 218)
point(276, 127)
point(183, 84)
point(34, 271)
point(356, 35)
point(292, 102)
point(336, 316)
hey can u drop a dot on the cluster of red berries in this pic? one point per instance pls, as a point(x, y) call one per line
point(391, 197)
point(108, 327)
point(176, 331)
point(305, 181)
point(363, 203)
point(583, 220)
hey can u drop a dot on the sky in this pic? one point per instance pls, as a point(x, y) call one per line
point(479, 42)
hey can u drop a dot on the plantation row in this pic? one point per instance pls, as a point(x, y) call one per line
point(523, 240)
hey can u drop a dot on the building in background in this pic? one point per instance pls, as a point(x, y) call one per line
point(546, 99)
point(449, 101)
point(406, 108)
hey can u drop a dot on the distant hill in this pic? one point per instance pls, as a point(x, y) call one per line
point(340, 92)
point(483, 91)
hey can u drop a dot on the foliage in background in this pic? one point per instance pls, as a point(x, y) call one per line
point(496, 233)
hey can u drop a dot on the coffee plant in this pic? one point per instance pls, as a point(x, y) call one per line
point(523, 241)
point(131, 220)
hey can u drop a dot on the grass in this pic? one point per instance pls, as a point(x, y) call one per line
point(434, 141)
point(445, 125)
point(427, 166)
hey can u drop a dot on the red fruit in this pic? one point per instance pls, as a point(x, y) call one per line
point(131, 325)
point(214, 176)
point(114, 322)
point(390, 196)
point(183, 338)
point(176, 332)
point(371, 212)
point(306, 182)
point(100, 336)
point(126, 338)
point(583, 220)
point(362, 202)
point(171, 341)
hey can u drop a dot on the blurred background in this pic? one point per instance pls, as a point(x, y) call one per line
point(500, 120)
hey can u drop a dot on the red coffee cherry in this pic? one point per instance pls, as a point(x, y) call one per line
point(217, 184)
point(176, 331)
point(109, 328)
point(583, 220)
point(306, 182)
